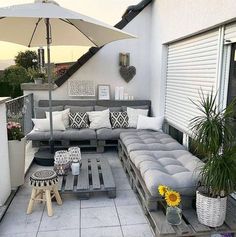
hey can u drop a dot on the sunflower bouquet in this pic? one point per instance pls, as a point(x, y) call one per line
point(173, 199)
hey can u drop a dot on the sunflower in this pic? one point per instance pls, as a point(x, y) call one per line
point(172, 198)
point(162, 189)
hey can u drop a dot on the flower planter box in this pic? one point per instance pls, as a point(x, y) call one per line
point(17, 162)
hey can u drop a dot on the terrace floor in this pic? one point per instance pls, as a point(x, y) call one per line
point(97, 217)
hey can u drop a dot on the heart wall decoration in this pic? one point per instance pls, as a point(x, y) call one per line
point(127, 73)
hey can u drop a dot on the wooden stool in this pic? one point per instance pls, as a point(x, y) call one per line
point(44, 183)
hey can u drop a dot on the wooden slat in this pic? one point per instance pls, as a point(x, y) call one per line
point(107, 174)
point(69, 185)
point(60, 180)
point(161, 225)
point(95, 175)
point(183, 229)
point(191, 216)
point(83, 181)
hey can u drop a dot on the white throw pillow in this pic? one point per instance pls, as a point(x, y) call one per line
point(133, 115)
point(65, 116)
point(43, 125)
point(152, 123)
point(99, 119)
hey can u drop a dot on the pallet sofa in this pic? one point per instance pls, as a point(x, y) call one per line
point(153, 158)
point(85, 138)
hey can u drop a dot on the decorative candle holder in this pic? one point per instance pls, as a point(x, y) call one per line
point(75, 154)
point(61, 162)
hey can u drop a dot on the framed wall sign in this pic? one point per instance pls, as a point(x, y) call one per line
point(104, 92)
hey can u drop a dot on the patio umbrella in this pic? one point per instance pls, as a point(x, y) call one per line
point(46, 23)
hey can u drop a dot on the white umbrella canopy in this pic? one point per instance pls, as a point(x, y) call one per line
point(24, 24)
point(46, 23)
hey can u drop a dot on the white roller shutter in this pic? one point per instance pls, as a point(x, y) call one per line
point(191, 65)
point(230, 32)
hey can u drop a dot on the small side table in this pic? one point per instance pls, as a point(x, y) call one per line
point(44, 183)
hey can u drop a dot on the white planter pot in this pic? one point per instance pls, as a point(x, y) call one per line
point(38, 81)
point(17, 162)
point(210, 211)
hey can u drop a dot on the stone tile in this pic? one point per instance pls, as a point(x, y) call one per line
point(125, 198)
point(99, 217)
point(141, 230)
point(60, 233)
point(122, 184)
point(102, 232)
point(98, 200)
point(65, 217)
point(33, 234)
point(118, 173)
point(16, 217)
point(130, 215)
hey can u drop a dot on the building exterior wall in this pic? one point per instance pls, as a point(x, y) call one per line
point(103, 68)
point(175, 19)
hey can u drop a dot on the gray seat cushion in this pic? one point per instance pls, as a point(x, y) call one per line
point(43, 136)
point(111, 134)
point(149, 140)
point(40, 111)
point(79, 134)
point(178, 169)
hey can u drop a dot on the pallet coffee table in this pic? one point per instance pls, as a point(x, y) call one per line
point(95, 176)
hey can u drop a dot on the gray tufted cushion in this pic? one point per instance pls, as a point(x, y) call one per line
point(69, 134)
point(178, 169)
point(43, 136)
point(149, 140)
point(112, 134)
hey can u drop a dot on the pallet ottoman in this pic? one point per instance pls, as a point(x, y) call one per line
point(153, 158)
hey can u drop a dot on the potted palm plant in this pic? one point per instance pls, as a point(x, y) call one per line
point(36, 75)
point(212, 133)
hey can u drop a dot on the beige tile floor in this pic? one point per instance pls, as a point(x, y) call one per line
point(97, 217)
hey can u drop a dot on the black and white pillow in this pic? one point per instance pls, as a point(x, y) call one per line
point(119, 120)
point(79, 120)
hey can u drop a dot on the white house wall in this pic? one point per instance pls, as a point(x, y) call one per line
point(103, 67)
point(175, 19)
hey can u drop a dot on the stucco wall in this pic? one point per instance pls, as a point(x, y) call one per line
point(174, 19)
point(103, 68)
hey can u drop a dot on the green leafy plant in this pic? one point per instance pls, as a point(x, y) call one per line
point(212, 133)
point(212, 129)
point(14, 131)
point(35, 73)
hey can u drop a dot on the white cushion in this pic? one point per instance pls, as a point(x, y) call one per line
point(152, 123)
point(99, 119)
point(43, 125)
point(65, 116)
point(133, 115)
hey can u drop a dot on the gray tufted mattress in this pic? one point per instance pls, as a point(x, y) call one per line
point(162, 160)
point(149, 140)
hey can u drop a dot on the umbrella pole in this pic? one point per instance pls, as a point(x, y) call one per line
point(48, 30)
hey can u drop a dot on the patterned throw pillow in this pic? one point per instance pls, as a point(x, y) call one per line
point(119, 120)
point(79, 120)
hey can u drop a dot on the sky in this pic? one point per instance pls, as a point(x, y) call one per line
point(109, 11)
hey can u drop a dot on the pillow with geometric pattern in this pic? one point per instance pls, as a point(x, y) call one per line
point(79, 120)
point(119, 119)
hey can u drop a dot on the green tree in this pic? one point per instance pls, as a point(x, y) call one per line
point(15, 75)
point(27, 59)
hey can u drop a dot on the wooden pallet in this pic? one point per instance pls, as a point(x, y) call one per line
point(95, 176)
point(190, 225)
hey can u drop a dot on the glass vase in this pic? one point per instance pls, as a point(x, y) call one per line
point(174, 215)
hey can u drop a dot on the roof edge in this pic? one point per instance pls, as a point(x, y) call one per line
point(130, 13)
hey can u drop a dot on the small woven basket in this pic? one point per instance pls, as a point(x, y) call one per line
point(210, 211)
